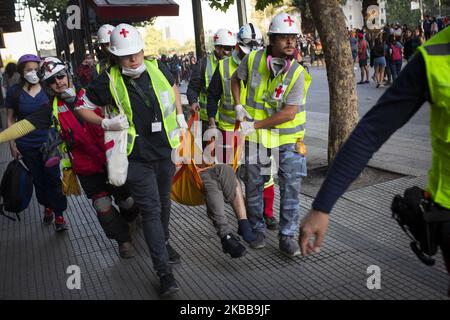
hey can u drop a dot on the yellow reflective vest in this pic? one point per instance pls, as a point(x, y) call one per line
point(266, 96)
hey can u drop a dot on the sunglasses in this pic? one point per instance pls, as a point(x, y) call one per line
point(58, 76)
point(227, 48)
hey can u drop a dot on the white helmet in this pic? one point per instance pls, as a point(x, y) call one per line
point(224, 37)
point(249, 38)
point(125, 40)
point(104, 33)
point(283, 23)
point(50, 66)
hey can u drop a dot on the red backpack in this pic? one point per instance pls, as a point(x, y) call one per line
point(396, 53)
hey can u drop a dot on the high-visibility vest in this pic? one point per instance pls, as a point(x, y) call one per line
point(211, 64)
point(266, 96)
point(227, 115)
point(436, 54)
point(166, 100)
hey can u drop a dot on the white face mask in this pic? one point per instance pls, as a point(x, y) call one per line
point(31, 77)
point(133, 73)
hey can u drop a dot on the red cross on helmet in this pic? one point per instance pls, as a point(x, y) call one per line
point(104, 33)
point(284, 23)
point(125, 40)
point(224, 37)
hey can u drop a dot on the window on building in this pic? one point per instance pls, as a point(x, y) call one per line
point(382, 21)
point(350, 17)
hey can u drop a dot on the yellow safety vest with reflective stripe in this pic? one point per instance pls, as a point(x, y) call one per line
point(65, 160)
point(266, 96)
point(211, 64)
point(436, 54)
point(227, 115)
point(166, 100)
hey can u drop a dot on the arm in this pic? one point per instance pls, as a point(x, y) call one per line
point(236, 88)
point(177, 99)
point(195, 84)
point(287, 113)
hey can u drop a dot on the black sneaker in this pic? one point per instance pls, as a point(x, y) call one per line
point(272, 223)
point(232, 246)
point(259, 242)
point(168, 286)
point(289, 246)
point(174, 257)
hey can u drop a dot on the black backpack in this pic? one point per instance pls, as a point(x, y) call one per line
point(16, 189)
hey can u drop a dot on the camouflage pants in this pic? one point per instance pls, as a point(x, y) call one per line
point(291, 170)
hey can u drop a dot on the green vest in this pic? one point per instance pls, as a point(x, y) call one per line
point(211, 64)
point(102, 65)
point(266, 96)
point(436, 54)
point(65, 160)
point(227, 115)
point(164, 93)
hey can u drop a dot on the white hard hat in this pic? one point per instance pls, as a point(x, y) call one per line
point(104, 33)
point(249, 38)
point(125, 40)
point(224, 37)
point(50, 66)
point(284, 23)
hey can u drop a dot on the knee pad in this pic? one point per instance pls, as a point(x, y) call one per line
point(102, 205)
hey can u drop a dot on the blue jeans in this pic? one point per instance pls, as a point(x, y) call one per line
point(47, 181)
point(396, 67)
point(150, 185)
point(291, 170)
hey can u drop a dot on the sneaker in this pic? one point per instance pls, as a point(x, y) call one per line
point(126, 250)
point(232, 246)
point(60, 224)
point(174, 257)
point(361, 82)
point(168, 286)
point(367, 81)
point(289, 246)
point(272, 223)
point(48, 215)
point(259, 242)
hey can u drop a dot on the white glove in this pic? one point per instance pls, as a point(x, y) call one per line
point(247, 127)
point(181, 121)
point(241, 113)
point(117, 123)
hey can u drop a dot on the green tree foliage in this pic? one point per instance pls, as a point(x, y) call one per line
point(156, 45)
point(399, 11)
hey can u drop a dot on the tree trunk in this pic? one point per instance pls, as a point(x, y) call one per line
point(341, 81)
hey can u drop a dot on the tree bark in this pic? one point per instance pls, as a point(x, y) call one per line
point(330, 23)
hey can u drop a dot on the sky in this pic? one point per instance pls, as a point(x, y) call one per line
point(181, 28)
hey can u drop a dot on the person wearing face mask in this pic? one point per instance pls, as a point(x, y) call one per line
point(151, 101)
point(22, 100)
point(221, 103)
point(202, 72)
point(85, 71)
point(275, 100)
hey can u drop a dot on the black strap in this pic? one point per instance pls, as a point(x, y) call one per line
point(2, 213)
point(253, 31)
point(147, 100)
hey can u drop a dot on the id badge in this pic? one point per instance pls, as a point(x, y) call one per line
point(156, 126)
